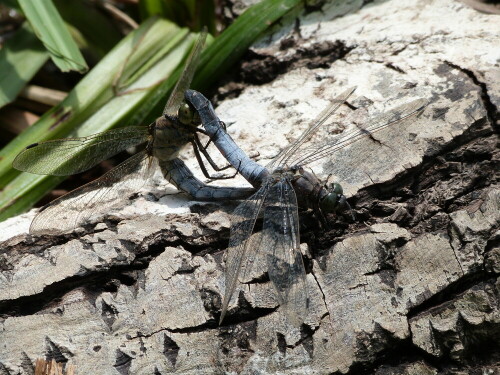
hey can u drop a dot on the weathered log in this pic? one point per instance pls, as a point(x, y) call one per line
point(409, 287)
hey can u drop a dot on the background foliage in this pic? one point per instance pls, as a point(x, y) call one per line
point(74, 68)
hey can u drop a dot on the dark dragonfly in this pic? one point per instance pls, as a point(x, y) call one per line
point(164, 139)
point(284, 186)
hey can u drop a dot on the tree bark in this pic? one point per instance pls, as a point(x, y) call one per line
point(409, 287)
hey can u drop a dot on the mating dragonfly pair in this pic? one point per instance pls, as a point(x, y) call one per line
point(280, 187)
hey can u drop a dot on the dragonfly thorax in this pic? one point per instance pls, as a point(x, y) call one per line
point(293, 171)
point(280, 172)
point(171, 135)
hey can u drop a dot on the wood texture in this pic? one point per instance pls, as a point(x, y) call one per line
point(409, 287)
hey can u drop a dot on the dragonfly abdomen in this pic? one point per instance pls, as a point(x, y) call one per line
point(178, 174)
point(254, 173)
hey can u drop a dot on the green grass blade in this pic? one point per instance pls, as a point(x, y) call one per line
point(91, 93)
point(150, 8)
point(229, 46)
point(51, 30)
point(94, 108)
point(20, 58)
point(225, 50)
point(99, 32)
point(28, 189)
point(156, 99)
point(156, 53)
point(195, 14)
point(204, 16)
point(93, 104)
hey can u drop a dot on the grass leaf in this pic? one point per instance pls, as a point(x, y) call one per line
point(53, 33)
point(225, 50)
point(229, 46)
point(98, 30)
point(119, 91)
point(20, 58)
point(94, 106)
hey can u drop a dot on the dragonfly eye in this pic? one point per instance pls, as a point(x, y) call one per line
point(335, 199)
point(187, 115)
point(337, 189)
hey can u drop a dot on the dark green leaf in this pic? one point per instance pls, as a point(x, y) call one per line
point(20, 58)
point(51, 30)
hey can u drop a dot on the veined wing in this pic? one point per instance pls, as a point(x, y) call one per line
point(242, 224)
point(395, 116)
point(75, 208)
point(63, 157)
point(285, 154)
point(281, 243)
point(184, 81)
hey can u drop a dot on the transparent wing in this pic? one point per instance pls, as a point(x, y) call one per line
point(292, 149)
point(281, 242)
point(63, 157)
point(242, 224)
point(184, 81)
point(78, 206)
point(395, 116)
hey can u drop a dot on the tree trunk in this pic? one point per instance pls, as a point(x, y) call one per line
point(408, 287)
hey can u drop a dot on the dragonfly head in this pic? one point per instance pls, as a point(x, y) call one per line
point(334, 200)
point(187, 115)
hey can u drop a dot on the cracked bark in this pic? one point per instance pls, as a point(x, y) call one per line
point(409, 287)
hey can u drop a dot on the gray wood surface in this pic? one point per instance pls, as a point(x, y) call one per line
point(410, 287)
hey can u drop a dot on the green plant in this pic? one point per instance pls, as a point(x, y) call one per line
point(127, 86)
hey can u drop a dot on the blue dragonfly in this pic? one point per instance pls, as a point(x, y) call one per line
point(283, 186)
point(163, 141)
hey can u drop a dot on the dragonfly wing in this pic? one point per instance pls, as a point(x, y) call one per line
point(63, 157)
point(395, 116)
point(281, 242)
point(78, 206)
point(242, 224)
point(184, 81)
point(283, 157)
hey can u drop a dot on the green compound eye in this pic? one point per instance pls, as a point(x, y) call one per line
point(337, 189)
point(187, 115)
point(329, 203)
point(334, 200)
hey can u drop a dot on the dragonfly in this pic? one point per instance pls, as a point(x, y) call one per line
point(283, 186)
point(163, 139)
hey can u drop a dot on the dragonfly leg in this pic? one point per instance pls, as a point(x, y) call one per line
point(198, 147)
point(322, 218)
point(205, 153)
point(212, 163)
point(351, 211)
point(222, 124)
